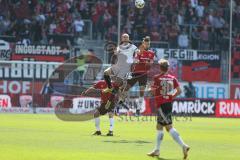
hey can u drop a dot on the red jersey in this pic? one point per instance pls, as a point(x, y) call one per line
point(163, 87)
point(105, 96)
point(144, 59)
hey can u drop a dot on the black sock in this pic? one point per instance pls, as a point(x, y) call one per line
point(108, 80)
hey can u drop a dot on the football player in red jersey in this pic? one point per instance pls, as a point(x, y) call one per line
point(108, 101)
point(142, 63)
point(165, 88)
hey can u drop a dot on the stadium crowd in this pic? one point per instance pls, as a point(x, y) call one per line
point(197, 24)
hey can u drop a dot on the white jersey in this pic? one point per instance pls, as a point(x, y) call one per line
point(125, 57)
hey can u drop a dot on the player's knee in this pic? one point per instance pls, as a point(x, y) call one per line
point(107, 71)
point(110, 114)
point(159, 127)
point(168, 127)
point(96, 114)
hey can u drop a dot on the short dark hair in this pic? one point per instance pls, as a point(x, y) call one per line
point(146, 39)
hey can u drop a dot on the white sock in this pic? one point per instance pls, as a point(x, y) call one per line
point(141, 99)
point(97, 123)
point(159, 139)
point(111, 120)
point(140, 102)
point(176, 137)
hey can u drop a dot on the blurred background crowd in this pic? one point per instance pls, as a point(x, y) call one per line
point(196, 24)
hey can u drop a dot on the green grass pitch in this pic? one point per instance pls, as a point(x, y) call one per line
point(44, 137)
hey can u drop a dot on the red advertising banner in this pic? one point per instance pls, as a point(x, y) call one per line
point(228, 108)
point(206, 67)
point(38, 58)
point(235, 91)
point(201, 71)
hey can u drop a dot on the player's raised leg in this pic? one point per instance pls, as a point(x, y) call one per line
point(107, 79)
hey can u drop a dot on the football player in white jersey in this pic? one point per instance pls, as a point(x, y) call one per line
point(125, 53)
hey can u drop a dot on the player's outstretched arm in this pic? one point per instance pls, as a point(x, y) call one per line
point(89, 91)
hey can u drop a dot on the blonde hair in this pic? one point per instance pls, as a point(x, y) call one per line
point(164, 65)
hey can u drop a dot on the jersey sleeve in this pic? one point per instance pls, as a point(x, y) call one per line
point(117, 50)
point(100, 85)
point(96, 85)
point(151, 56)
point(135, 49)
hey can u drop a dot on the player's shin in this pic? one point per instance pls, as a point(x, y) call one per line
point(175, 135)
point(97, 123)
point(111, 120)
point(159, 139)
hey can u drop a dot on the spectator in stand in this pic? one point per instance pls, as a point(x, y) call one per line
point(139, 25)
point(52, 27)
point(237, 40)
point(164, 32)
point(193, 22)
point(155, 36)
point(129, 25)
point(189, 90)
point(204, 39)
point(37, 31)
point(78, 26)
point(212, 36)
point(95, 19)
point(153, 20)
point(218, 23)
point(180, 18)
point(25, 34)
point(194, 3)
point(236, 17)
point(211, 16)
point(195, 38)
point(107, 19)
point(200, 10)
point(112, 34)
point(61, 27)
point(224, 41)
point(183, 40)
point(173, 35)
point(5, 23)
point(83, 9)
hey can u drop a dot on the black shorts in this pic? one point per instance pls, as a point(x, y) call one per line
point(103, 109)
point(141, 78)
point(164, 114)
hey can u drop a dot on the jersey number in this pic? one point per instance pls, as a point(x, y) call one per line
point(167, 87)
